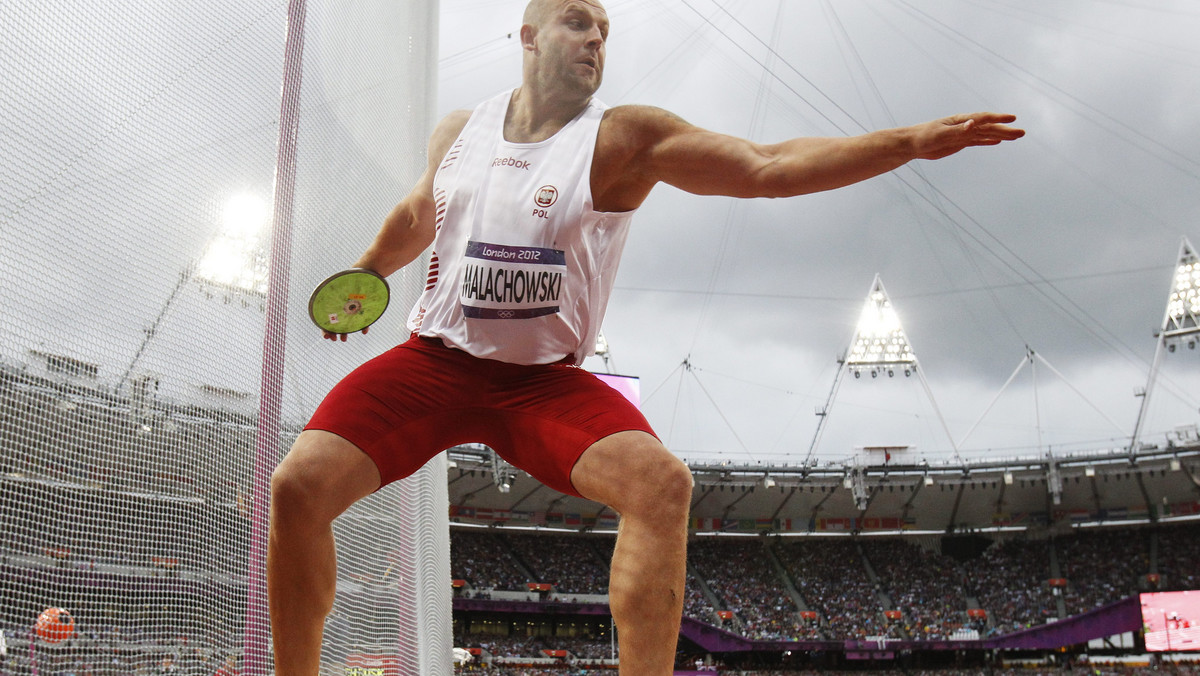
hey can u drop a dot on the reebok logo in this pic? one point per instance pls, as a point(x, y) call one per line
point(510, 162)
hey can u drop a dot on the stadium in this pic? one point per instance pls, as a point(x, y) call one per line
point(791, 568)
point(178, 179)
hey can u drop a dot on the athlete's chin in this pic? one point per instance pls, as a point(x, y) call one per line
point(592, 84)
point(588, 78)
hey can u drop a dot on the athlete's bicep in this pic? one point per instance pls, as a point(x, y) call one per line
point(707, 163)
point(701, 161)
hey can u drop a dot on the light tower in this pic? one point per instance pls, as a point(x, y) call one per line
point(879, 345)
point(879, 348)
point(1180, 326)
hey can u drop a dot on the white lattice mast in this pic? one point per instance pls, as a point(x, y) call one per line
point(1180, 325)
point(879, 347)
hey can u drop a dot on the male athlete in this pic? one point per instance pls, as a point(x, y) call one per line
point(527, 201)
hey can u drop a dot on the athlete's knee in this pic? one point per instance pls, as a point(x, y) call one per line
point(294, 491)
point(676, 483)
point(633, 473)
point(662, 489)
point(320, 478)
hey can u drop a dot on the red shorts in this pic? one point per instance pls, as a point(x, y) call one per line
point(420, 398)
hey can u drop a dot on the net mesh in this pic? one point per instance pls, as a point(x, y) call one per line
point(164, 212)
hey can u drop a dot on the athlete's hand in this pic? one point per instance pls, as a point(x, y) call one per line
point(341, 336)
point(940, 138)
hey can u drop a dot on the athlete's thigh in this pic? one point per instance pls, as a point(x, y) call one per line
point(400, 408)
point(555, 414)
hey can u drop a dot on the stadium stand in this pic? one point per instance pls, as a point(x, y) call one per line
point(70, 533)
point(851, 582)
point(739, 573)
point(928, 588)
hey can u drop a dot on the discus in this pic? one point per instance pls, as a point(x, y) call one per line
point(348, 301)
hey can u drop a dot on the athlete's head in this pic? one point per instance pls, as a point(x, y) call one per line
point(564, 44)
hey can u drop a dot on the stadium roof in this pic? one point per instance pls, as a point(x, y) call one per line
point(1105, 486)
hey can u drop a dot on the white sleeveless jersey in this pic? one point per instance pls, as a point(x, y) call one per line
point(522, 266)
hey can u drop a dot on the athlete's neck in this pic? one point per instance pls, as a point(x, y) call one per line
point(532, 117)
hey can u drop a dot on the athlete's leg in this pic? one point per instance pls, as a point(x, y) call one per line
point(319, 479)
point(651, 489)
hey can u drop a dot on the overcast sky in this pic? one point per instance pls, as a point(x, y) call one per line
point(130, 125)
point(1063, 242)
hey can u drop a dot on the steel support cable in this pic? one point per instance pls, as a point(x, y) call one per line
point(1111, 191)
point(1040, 278)
point(140, 106)
point(721, 413)
point(878, 95)
point(1167, 152)
point(1058, 24)
point(728, 231)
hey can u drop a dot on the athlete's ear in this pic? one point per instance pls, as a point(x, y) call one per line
point(528, 37)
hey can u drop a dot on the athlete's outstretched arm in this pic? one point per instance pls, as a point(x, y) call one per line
point(670, 150)
point(409, 227)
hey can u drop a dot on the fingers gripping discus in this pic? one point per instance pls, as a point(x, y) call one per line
point(349, 301)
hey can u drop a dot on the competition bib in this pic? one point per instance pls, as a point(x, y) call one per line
point(511, 282)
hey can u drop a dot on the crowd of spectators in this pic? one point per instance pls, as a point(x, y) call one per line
point(486, 562)
point(739, 572)
point(1165, 669)
point(585, 648)
point(560, 670)
point(1102, 567)
point(571, 564)
point(850, 584)
point(579, 647)
point(89, 657)
point(1178, 554)
point(928, 588)
point(831, 578)
point(507, 646)
point(695, 603)
point(1013, 582)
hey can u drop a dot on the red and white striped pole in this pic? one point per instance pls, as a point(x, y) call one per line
point(256, 636)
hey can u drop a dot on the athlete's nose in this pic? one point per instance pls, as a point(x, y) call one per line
point(595, 37)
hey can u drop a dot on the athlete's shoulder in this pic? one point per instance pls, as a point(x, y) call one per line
point(642, 118)
point(636, 128)
point(446, 131)
point(629, 132)
point(622, 173)
point(452, 124)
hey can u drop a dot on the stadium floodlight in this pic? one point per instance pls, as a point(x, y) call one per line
point(65, 405)
point(1181, 323)
point(1183, 305)
point(856, 481)
point(502, 473)
point(236, 258)
point(879, 345)
point(879, 339)
point(1054, 483)
point(601, 345)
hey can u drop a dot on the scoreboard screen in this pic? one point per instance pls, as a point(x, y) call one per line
point(1171, 620)
point(629, 386)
